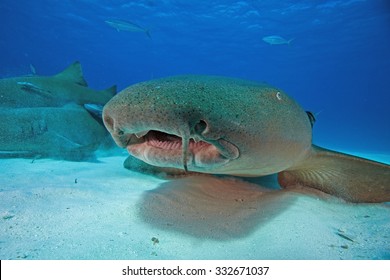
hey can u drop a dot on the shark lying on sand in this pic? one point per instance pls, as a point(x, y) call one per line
point(44, 116)
point(222, 125)
point(53, 91)
point(67, 132)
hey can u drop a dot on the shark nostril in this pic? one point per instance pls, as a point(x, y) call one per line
point(110, 125)
point(200, 127)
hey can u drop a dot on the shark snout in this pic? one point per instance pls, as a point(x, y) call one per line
point(129, 112)
point(117, 133)
point(124, 122)
point(172, 136)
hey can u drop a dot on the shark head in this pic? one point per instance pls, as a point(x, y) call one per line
point(209, 124)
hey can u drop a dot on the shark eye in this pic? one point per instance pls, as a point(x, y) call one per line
point(279, 95)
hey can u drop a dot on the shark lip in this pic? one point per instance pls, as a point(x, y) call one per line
point(166, 150)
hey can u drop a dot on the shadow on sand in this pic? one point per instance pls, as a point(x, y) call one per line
point(213, 207)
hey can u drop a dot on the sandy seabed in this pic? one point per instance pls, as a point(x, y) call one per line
point(52, 209)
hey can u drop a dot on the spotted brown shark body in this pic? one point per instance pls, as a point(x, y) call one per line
point(230, 126)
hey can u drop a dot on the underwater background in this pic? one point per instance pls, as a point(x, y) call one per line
point(336, 66)
point(332, 57)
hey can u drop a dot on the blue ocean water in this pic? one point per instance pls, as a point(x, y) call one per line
point(337, 66)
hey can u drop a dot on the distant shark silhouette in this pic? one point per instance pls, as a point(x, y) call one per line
point(44, 116)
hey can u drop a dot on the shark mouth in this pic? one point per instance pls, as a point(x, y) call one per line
point(190, 153)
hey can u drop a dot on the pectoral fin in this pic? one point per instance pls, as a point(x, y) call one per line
point(351, 178)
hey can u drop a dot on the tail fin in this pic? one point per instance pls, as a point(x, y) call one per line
point(289, 41)
point(351, 178)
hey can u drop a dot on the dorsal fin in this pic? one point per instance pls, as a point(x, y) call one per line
point(73, 73)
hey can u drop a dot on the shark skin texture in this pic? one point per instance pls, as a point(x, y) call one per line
point(220, 125)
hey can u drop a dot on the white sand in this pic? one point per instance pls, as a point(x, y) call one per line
point(113, 213)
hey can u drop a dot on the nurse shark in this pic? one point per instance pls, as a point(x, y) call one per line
point(46, 116)
point(218, 125)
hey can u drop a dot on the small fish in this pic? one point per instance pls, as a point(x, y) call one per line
point(26, 84)
point(276, 40)
point(95, 110)
point(30, 87)
point(124, 25)
point(33, 70)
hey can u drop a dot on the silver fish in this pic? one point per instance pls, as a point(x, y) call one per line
point(124, 25)
point(30, 87)
point(96, 110)
point(276, 40)
point(33, 70)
